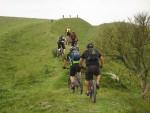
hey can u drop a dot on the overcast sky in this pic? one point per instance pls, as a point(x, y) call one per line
point(94, 11)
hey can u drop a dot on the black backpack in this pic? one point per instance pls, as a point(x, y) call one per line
point(92, 55)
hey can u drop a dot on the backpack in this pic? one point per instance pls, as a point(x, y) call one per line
point(75, 55)
point(92, 55)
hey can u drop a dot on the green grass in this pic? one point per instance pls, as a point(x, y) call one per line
point(33, 81)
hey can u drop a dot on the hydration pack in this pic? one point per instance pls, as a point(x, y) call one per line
point(75, 55)
point(92, 55)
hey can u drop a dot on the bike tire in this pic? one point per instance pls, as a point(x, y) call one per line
point(69, 83)
point(69, 86)
point(81, 88)
point(93, 92)
point(80, 83)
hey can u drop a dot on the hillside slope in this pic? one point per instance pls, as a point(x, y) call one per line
point(33, 81)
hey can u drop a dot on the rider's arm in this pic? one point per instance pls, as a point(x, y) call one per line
point(81, 62)
point(83, 56)
point(101, 61)
point(65, 61)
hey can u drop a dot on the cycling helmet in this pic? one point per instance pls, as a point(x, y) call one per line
point(73, 48)
point(90, 45)
point(61, 37)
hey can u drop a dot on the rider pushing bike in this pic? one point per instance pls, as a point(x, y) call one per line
point(74, 58)
point(74, 39)
point(61, 43)
point(93, 59)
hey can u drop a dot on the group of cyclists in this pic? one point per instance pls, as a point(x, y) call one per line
point(91, 57)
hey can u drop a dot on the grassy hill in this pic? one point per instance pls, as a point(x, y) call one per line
point(33, 81)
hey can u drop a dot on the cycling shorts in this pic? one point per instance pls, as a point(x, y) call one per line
point(92, 70)
point(61, 45)
point(74, 68)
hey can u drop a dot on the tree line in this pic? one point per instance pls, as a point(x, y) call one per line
point(130, 43)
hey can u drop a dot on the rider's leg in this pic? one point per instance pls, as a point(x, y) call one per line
point(98, 76)
point(72, 75)
point(63, 46)
point(67, 40)
point(87, 86)
point(65, 63)
point(89, 76)
point(78, 72)
point(72, 44)
point(72, 78)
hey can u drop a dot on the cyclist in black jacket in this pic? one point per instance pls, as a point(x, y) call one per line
point(94, 61)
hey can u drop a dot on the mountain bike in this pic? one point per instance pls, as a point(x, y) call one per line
point(78, 85)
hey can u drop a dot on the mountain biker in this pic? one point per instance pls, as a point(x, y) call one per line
point(73, 57)
point(74, 39)
point(93, 59)
point(61, 43)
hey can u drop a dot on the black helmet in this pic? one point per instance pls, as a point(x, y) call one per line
point(90, 45)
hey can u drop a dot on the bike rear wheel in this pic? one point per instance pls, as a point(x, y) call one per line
point(70, 86)
point(78, 76)
point(78, 85)
point(93, 91)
